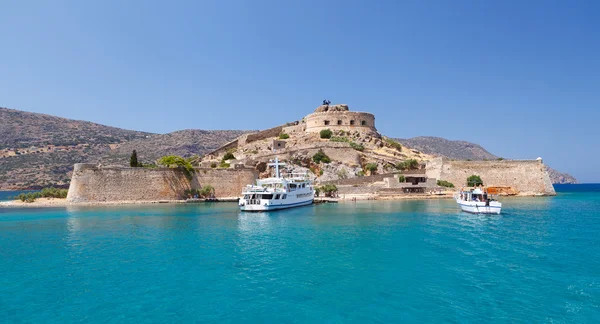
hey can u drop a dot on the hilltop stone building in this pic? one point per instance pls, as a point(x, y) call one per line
point(335, 117)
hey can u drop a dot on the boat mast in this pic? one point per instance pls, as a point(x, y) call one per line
point(276, 164)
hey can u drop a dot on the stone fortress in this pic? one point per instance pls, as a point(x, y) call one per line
point(355, 149)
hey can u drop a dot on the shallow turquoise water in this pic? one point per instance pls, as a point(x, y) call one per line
point(409, 261)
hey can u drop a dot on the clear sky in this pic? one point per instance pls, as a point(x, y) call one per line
point(521, 78)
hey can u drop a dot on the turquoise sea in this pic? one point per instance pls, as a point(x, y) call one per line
point(404, 261)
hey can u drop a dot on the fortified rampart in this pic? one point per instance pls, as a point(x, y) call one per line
point(528, 177)
point(91, 183)
point(341, 120)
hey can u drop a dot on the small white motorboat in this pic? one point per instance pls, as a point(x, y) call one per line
point(478, 201)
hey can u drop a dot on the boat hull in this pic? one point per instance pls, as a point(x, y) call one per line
point(269, 207)
point(480, 207)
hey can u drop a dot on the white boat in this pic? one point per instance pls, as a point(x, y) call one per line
point(279, 192)
point(477, 201)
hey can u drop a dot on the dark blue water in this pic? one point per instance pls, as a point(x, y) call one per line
point(11, 195)
point(406, 261)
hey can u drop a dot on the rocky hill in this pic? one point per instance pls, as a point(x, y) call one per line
point(462, 150)
point(458, 150)
point(39, 150)
point(20, 129)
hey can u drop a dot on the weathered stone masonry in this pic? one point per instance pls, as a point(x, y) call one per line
point(91, 183)
point(527, 177)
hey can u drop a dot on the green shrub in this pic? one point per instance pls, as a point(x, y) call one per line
point(326, 133)
point(409, 164)
point(329, 190)
point(207, 191)
point(444, 183)
point(174, 161)
point(474, 181)
point(394, 144)
point(339, 139)
point(360, 174)
point(228, 156)
point(52, 192)
point(317, 191)
point(321, 172)
point(213, 165)
point(320, 156)
point(401, 178)
point(284, 136)
point(357, 147)
point(372, 167)
point(500, 159)
point(224, 165)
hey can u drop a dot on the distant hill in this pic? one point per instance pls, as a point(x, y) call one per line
point(39, 150)
point(462, 150)
point(20, 129)
point(458, 150)
point(184, 143)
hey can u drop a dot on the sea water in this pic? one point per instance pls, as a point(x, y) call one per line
point(402, 261)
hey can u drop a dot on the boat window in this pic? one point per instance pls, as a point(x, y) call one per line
point(267, 196)
point(277, 196)
point(284, 196)
point(327, 122)
point(352, 122)
point(339, 122)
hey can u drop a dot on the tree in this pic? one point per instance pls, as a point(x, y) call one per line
point(284, 136)
point(329, 190)
point(371, 167)
point(474, 181)
point(326, 133)
point(228, 156)
point(174, 161)
point(401, 178)
point(133, 161)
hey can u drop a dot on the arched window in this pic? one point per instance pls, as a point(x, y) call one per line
point(363, 123)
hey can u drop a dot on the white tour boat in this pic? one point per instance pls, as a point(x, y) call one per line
point(292, 190)
point(477, 201)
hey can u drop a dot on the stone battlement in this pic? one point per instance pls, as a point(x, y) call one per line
point(341, 120)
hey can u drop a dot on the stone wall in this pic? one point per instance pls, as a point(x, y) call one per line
point(296, 129)
point(91, 183)
point(341, 120)
point(268, 133)
point(526, 177)
point(227, 182)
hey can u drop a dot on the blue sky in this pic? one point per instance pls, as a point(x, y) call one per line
point(521, 78)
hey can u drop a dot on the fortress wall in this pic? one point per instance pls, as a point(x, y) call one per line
point(527, 177)
point(91, 183)
point(315, 122)
point(294, 129)
point(268, 133)
point(227, 182)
